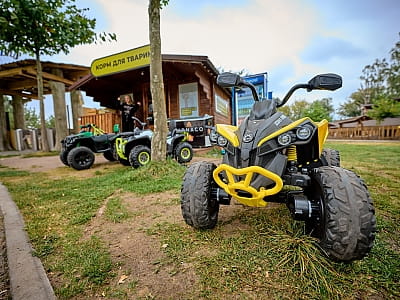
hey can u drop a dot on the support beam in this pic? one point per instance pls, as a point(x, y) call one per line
point(51, 77)
point(14, 93)
point(11, 72)
point(21, 85)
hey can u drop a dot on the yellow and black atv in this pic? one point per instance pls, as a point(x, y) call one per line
point(271, 158)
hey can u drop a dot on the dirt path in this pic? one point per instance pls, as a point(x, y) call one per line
point(42, 164)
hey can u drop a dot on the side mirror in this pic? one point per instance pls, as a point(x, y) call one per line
point(328, 81)
point(227, 80)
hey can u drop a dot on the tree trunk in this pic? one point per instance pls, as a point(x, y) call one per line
point(60, 109)
point(18, 111)
point(158, 143)
point(76, 106)
point(43, 130)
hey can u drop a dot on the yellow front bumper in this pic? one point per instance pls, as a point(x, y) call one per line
point(232, 186)
point(120, 146)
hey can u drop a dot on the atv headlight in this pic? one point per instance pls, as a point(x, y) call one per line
point(284, 139)
point(213, 136)
point(303, 132)
point(221, 141)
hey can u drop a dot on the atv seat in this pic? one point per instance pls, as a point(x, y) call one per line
point(171, 128)
point(126, 134)
point(100, 138)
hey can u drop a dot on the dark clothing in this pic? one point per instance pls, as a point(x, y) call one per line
point(128, 111)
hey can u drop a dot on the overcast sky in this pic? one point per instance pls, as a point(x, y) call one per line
point(292, 40)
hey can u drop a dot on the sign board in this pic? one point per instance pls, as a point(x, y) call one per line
point(198, 128)
point(127, 60)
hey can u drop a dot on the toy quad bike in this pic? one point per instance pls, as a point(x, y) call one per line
point(270, 158)
point(134, 148)
point(78, 149)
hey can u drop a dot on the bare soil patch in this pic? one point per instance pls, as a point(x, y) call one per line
point(140, 255)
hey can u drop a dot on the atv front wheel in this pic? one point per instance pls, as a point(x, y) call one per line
point(347, 225)
point(64, 157)
point(109, 155)
point(330, 157)
point(80, 158)
point(198, 208)
point(122, 161)
point(183, 152)
point(139, 156)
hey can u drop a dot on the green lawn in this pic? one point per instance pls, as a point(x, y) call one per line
point(254, 254)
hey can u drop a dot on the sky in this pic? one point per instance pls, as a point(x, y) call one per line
point(292, 40)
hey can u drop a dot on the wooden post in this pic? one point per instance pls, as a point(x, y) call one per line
point(76, 106)
point(4, 141)
point(60, 109)
point(18, 109)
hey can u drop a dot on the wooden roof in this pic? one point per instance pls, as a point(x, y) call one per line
point(19, 78)
point(106, 88)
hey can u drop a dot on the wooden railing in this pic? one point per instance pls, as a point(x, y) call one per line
point(366, 133)
point(104, 121)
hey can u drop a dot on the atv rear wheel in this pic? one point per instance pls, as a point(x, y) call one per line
point(139, 156)
point(198, 208)
point(330, 157)
point(347, 225)
point(183, 152)
point(80, 158)
point(64, 157)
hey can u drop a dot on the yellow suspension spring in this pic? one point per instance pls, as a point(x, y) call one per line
point(292, 153)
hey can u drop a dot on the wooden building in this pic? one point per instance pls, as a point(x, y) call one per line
point(191, 91)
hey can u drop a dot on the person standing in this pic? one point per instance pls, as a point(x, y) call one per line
point(128, 110)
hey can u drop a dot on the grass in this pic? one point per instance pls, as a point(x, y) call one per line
point(57, 211)
point(253, 254)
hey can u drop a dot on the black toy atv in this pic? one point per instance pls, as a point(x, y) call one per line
point(270, 158)
point(134, 148)
point(78, 149)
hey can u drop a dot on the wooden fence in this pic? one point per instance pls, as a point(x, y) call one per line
point(366, 133)
point(104, 121)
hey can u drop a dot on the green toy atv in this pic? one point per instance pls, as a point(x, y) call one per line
point(271, 158)
point(134, 148)
point(78, 149)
